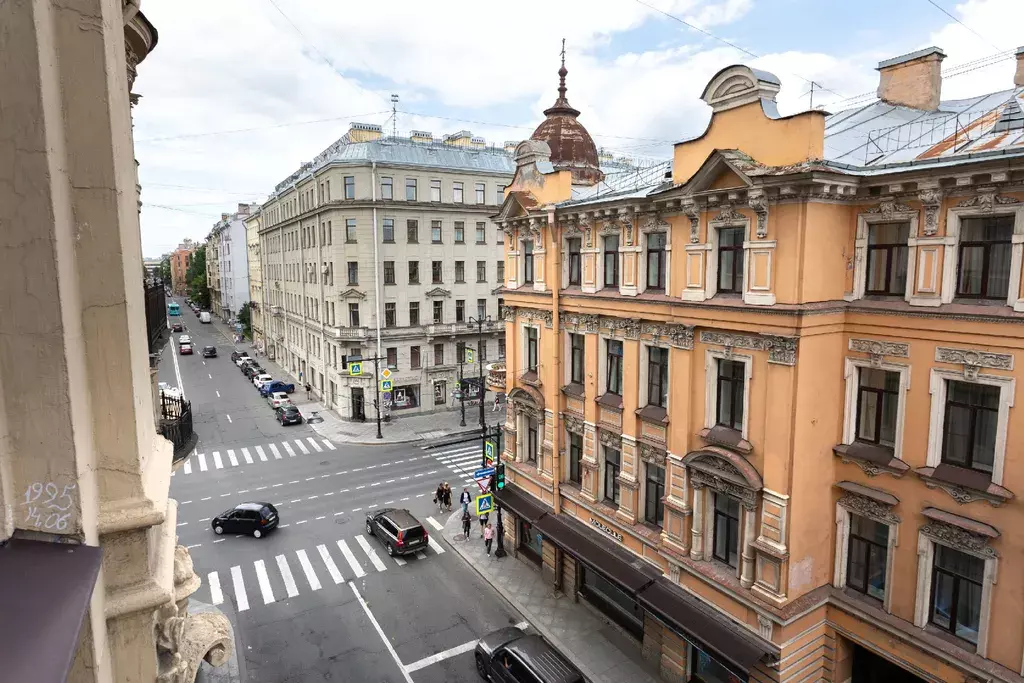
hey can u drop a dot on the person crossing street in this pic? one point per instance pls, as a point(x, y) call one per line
point(465, 499)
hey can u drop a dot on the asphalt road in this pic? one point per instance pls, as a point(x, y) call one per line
point(318, 599)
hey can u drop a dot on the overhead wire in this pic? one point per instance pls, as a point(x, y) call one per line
point(943, 10)
point(258, 128)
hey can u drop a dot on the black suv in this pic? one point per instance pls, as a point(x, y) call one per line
point(209, 352)
point(247, 518)
point(510, 656)
point(289, 415)
point(398, 530)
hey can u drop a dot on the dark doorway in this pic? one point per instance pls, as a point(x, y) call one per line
point(358, 404)
point(870, 668)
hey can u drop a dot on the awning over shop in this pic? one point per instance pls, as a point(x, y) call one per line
point(523, 504)
point(46, 592)
point(684, 613)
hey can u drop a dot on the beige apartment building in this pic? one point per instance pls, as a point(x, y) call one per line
point(385, 247)
point(255, 265)
point(213, 270)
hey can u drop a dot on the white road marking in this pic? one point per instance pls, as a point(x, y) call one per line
point(224, 495)
point(380, 632)
point(329, 493)
point(399, 561)
point(388, 502)
point(332, 568)
point(209, 375)
point(185, 502)
point(360, 487)
point(177, 370)
point(245, 454)
point(341, 473)
point(322, 517)
point(434, 523)
point(297, 500)
point(310, 478)
point(324, 476)
point(434, 545)
point(194, 546)
point(241, 599)
point(276, 485)
point(218, 394)
point(302, 522)
point(314, 444)
point(216, 595)
point(302, 447)
point(228, 417)
point(356, 509)
point(188, 467)
point(312, 497)
point(343, 491)
point(329, 445)
point(351, 559)
point(265, 589)
point(296, 481)
point(372, 506)
point(420, 555)
point(440, 656)
point(376, 483)
point(404, 478)
point(273, 449)
point(339, 513)
point(286, 574)
point(291, 453)
point(205, 519)
point(420, 495)
point(232, 458)
point(307, 569)
point(207, 498)
point(259, 452)
point(182, 523)
point(358, 469)
point(390, 481)
point(370, 467)
point(217, 461)
point(220, 540)
point(241, 491)
point(202, 462)
point(371, 553)
point(260, 488)
point(406, 498)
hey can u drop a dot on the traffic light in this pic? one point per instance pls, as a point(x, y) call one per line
point(499, 476)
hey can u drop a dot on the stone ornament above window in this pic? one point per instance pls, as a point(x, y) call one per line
point(959, 539)
point(727, 215)
point(878, 350)
point(986, 199)
point(781, 350)
point(691, 210)
point(931, 201)
point(866, 507)
point(890, 208)
point(508, 314)
point(630, 327)
point(652, 454)
point(653, 222)
point(573, 424)
point(679, 336)
point(973, 360)
point(579, 322)
point(610, 439)
point(758, 201)
point(534, 315)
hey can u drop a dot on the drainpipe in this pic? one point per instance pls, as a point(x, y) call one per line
point(323, 313)
point(555, 247)
point(376, 258)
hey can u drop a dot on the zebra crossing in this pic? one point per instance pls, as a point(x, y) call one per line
point(461, 459)
point(291, 573)
point(231, 457)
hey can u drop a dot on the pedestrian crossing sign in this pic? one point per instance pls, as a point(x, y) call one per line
point(355, 369)
point(386, 385)
point(484, 504)
point(489, 452)
point(469, 355)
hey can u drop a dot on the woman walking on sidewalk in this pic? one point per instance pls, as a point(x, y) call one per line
point(488, 537)
point(466, 521)
point(483, 523)
point(447, 497)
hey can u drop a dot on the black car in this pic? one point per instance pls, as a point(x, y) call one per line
point(176, 327)
point(398, 530)
point(235, 355)
point(289, 415)
point(247, 518)
point(209, 352)
point(251, 370)
point(510, 656)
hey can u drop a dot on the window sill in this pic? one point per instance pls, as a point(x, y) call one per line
point(481, 282)
point(460, 241)
point(728, 437)
point(388, 241)
point(872, 459)
point(433, 242)
point(651, 413)
point(530, 377)
point(573, 389)
point(460, 282)
point(390, 284)
point(481, 243)
point(964, 485)
point(948, 637)
point(610, 400)
point(351, 242)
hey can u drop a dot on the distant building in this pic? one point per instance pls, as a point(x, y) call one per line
point(252, 245)
point(180, 260)
point(232, 263)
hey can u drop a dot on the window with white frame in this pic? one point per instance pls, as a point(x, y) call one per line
point(878, 397)
point(612, 467)
point(575, 261)
point(610, 244)
point(531, 335)
point(654, 493)
point(727, 387)
point(656, 261)
point(575, 457)
point(657, 376)
point(730, 260)
point(957, 584)
point(887, 252)
point(532, 440)
point(865, 544)
point(867, 556)
point(577, 344)
point(726, 530)
point(528, 262)
point(984, 257)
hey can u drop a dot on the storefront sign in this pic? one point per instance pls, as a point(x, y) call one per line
point(607, 529)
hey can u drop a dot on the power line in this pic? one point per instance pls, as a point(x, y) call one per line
point(259, 128)
point(943, 10)
point(523, 127)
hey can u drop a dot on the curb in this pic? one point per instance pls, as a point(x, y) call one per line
point(550, 637)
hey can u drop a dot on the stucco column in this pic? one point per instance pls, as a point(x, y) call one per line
point(697, 527)
point(747, 548)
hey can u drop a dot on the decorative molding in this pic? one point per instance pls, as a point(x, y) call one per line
point(889, 208)
point(652, 454)
point(573, 424)
point(758, 201)
point(508, 314)
point(352, 294)
point(931, 201)
point(571, 229)
point(679, 336)
point(957, 538)
point(728, 214)
point(626, 220)
point(764, 627)
point(986, 200)
point(973, 360)
point(701, 479)
point(610, 439)
point(579, 322)
point(692, 211)
point(610, 228)
point(535, 315)
point(630, 326)
point(866, 507)
point(880, 349)
point(439, 291)
point(781, 350)
point(652, 222)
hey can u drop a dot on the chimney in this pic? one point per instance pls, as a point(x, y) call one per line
point(1018, 77)
point(421, 136)
point(364, 132)
point(912, 80)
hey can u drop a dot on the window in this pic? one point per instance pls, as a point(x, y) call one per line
point(481, 309)
point(435, 232)
point(457, 193)
point(500, 189)
point(887, 259)
point(460, 310)
point(392, 354)
point(613, 380)
point(414, 313)
point(611, 261)
point(414, 272)
point(985, 246)
point(387, 190)
point(501, 273)
point(389, 272)
point(410, 189)
point(657, 376)
point(532, 432)
point(389, 230)
point(574, 261)
point(460, 352)
point(353, 315)
point(460, 271)
point(435, 190)
point(481, 271)
point(612, 464)
point(350, 229)
point(726, 540)
point(972, 416)
point(501, 347)
point(654, 492)
point(866, 562)
point(877, 403)
point(438, 311)
point(460, 232)
point(414, 357)
point(528, 262)
point(438, 354)
point(656, 260)
point(480, 194)
point(481, 233)
point(531, 349)
point(390, 314)
point(576, 344)
point(575, 456)
point(350, 187)
point(413, 231)
point(436, 272)
point(353, 272)
point(731, 377)
point(957, 580)
point(730, 260)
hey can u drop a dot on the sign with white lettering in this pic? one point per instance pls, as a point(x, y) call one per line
point(607, 529)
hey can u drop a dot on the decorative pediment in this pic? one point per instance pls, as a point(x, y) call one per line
point(890, 209)
point(715, 171)
point(986, 200)
point(630, 327)
point(973, 360)
point(781, 350)
point(352, 293)
point(516, 205)
point(439, 292)
point(679, 336)
point(724, 471)
point(572, 423)
point(610, 439)
point(652, 454)
point(739, 84)
point(652, 222)
point(535, 315)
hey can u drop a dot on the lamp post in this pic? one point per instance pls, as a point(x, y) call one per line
point(480, 322)
point(462, 389)
point(376, 384)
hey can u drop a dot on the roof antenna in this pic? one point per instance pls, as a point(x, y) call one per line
point(394, 115)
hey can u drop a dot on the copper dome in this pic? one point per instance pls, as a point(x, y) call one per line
point(572, 148)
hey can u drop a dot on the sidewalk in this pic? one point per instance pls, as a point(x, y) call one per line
point(401, 428)
point(601, 652)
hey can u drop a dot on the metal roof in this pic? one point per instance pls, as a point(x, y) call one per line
point(621, 182)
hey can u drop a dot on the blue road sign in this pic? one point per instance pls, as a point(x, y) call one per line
point(483, 473)
point(484, 504)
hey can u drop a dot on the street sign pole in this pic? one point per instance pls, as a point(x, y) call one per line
point(376, 383)
point(462, 390)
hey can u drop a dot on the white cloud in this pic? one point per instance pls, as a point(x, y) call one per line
point(722, 13)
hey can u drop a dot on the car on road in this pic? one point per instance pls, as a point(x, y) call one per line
point(185, 349)
point(184, 339)
point(209, 352)
point(278, 399)
point(246, 518)
point(509, 655)
point(397, 529)
point(289, 415)
point(259, 380)
point(235, 355)
point(275, 386)
point(177, 327)
point(204, 317)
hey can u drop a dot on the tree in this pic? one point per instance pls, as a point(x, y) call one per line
point(245, 318)
point(198, 290)
point(165, 270)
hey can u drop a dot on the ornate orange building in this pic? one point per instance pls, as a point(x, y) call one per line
point(762, 398)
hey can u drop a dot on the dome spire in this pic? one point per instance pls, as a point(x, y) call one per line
point(561, 74)
point(561, 105)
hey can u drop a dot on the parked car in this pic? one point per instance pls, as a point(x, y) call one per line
point(247, 518)
point(204, 317)
point(397, 529)
point(252, 370)
point(278, 399)
point(209, 352)
point(277, 385)
point(289, 415)
point(235, 355)
point(259, 380)
point(177, 327)
point(169, 391)
point(242, 360)
point(511, 655)
point(185, 349)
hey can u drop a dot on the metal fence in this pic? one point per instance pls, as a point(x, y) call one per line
point(176, 420)
point(156, 313)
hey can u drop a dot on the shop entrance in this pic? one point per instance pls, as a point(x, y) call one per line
point(870, 668)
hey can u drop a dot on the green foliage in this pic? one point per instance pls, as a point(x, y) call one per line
point(165, 270)
point(245, 318)
point(198, 290)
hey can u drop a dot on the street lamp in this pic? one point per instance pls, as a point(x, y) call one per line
point(480, 322)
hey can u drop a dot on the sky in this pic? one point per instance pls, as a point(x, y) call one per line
point(238, 93)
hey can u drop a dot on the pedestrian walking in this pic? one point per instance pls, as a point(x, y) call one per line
point(466, 522)
point(483, 523)
point(447, 497)
point(309, 392)
point(465, 499)
point(439, 497)
point(488, 537)
point(495, 409)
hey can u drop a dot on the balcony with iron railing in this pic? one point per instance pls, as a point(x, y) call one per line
point(496, 376)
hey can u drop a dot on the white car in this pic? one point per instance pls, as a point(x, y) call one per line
point(167, 390)
point(242, 360)
point(259, 380)
point(184, 339)
point(278, 399)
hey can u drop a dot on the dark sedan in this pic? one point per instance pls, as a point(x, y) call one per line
point(247, 518)
point(209, 352)
point(511, 656)
point(289, 415)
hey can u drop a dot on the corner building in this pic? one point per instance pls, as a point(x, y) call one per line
point(761, 402)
